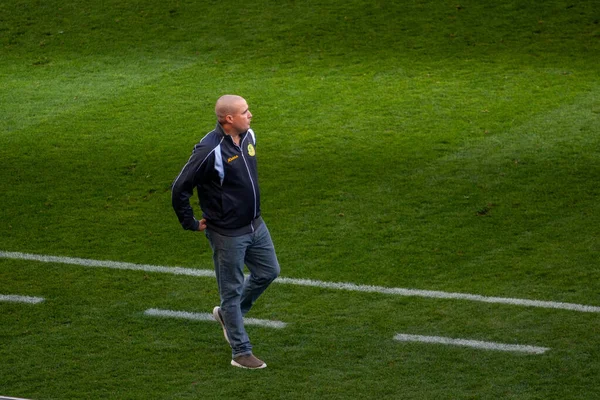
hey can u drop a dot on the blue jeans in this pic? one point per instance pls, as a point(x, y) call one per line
point(238, 293)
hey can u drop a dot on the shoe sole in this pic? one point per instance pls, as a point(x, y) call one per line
point(217, 317)
point(235, 364)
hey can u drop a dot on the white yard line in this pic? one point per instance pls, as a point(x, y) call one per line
point(153, 312)
point(308, 282)
point(108, 264)
point(11, 398)
point(439, 295)
point(20, 299)
point(471, 343)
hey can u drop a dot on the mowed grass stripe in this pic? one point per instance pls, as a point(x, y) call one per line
point(308, 283)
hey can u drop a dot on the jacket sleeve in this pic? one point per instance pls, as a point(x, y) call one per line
point(183, 187)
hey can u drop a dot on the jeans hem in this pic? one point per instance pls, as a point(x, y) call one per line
point(243, 353)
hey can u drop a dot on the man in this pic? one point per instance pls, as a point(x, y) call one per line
point(223, 170)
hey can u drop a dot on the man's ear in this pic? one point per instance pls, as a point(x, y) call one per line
point(229, 118)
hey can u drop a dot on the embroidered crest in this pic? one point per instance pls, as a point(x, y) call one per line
point(251, 151)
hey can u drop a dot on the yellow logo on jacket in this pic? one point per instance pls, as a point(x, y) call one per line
point(230, 159)
point(251, 151)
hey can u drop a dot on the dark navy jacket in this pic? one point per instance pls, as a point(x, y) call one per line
point(226, 179)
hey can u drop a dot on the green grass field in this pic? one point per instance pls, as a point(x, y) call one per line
point(430, 145)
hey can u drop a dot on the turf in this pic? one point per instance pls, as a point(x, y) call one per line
point(423, 144)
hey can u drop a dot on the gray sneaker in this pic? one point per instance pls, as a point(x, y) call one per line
point(248, 361)
point(219, 318)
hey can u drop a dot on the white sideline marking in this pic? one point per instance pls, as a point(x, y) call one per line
point(11, 398)
point(20, 299)
point(308, 282)
point(209, 317)
point(108, 264)
point(440, 295)
point(471, 343)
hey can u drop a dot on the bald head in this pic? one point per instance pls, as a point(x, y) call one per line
point(228, 104)
point(233, 114)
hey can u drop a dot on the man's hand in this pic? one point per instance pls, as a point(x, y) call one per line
point(201, 225)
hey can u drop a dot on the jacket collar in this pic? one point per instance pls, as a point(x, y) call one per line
point(219, 129)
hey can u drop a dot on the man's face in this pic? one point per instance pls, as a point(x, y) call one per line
point(242, 117)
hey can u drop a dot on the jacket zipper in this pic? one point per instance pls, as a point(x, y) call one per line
point(251, 180)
